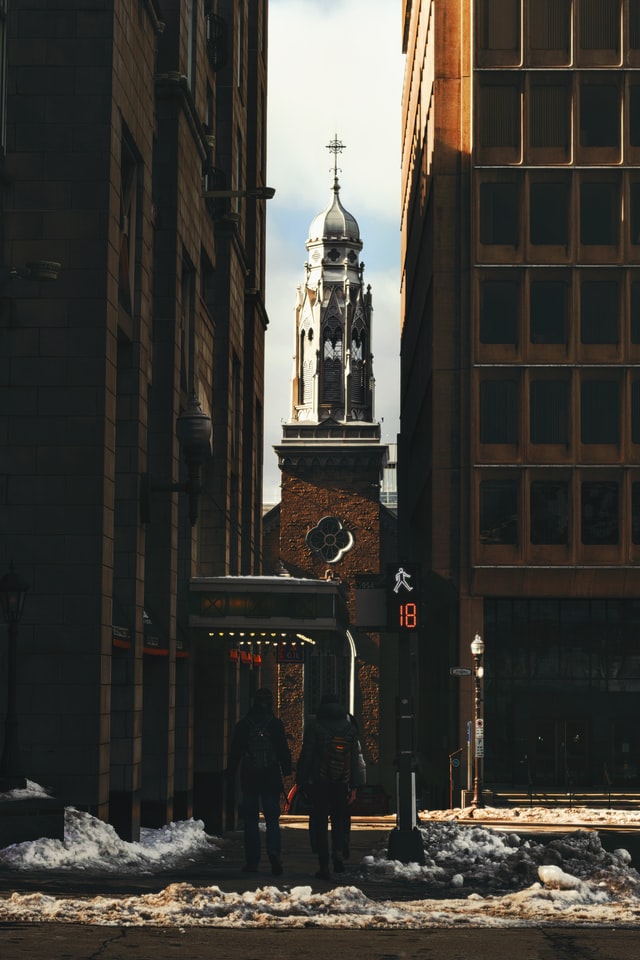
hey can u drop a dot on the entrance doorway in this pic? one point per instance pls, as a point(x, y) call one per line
point(560, 753)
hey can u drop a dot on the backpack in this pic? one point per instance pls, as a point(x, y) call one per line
point(261, 752)
point(335, 760)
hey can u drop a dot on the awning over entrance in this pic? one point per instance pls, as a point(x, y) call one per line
point(268, 608)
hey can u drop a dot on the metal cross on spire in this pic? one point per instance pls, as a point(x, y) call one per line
point(335, 147)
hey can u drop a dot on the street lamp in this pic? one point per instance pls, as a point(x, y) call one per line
point(12, 593)
point(193, 430)
point(477, 651)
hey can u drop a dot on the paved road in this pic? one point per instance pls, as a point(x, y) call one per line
point(55, 941)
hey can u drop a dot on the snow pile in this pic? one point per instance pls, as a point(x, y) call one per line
point(472, 876)
point(92, 846)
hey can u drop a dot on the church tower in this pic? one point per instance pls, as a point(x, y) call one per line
point(330, 523)
point(333, 378)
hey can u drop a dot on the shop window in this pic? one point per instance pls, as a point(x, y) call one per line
point(600, 411)
point(499, 301)
point(635, 411)
point(599, 25)
point(498, 411)
point(498, 512)
point(548, 306)
point(599, 213)
point(600, 510)
point(549, 212)
point(549, 411)
point(549, 25)
point(599, 311)
point(499, 213)
point(499, 22)
point(500, 115)
point(549, 512)
point(549, 116)
point(599, 115)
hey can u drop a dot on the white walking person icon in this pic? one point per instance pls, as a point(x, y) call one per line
point(402, 580)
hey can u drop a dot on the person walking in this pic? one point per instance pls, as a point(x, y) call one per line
point(329, 772)
point(259, 749)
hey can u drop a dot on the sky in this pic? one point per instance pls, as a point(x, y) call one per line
point(473, 876)
point(335, 68)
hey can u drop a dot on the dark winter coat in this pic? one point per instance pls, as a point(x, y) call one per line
point(331, 720)
point(268, 780)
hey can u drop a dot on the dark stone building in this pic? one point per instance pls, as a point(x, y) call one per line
point(119, 122)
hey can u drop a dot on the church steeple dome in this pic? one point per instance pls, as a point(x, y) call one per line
point(333, 376)
point(335, 223)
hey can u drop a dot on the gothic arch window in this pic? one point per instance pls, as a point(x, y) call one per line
point(307, 365)
point(332, 362)
point(357, 364)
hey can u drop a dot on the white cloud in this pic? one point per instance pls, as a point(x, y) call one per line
point(335, 67)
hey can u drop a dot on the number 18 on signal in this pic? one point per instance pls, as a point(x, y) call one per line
point(408, 615)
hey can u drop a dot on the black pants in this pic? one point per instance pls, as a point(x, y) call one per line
point(329, 804)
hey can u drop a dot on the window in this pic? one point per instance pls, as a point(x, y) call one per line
point(548, 307)
point(599, 311)
point(634, 26)
point(634, 112)
point(549, 512)
point(635, 312)
point(549, 212)
point(500, 25)
point(500, 115)
point(499, 213)
point(187, 325)
point(499, 303)
point(599, 115)
point(634, 212)
point(635, 513)
point(498, 411)
point(635, 411)
point(600, 523)
point(127, 260)
point(3, 72)
point(498, 512)
point(599, 25)
point(599, 213)
point(549, 116)
point(549, 23)
point(332, 363)
point(600, 411)
point(549, 411)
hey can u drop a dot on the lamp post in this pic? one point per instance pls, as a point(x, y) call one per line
point(193, 430)
point(477, 651)
point(12, 593)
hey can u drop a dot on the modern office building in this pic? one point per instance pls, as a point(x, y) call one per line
point(519, 456)
point(132, 320)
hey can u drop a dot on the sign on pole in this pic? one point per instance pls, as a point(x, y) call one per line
point(403, 596)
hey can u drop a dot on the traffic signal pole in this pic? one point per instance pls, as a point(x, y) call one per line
point(403, 614)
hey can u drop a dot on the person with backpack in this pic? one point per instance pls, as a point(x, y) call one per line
point(259, 749)
point(329, 772)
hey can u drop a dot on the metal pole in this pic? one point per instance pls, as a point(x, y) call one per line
point(11, 776)
point(477, 650)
